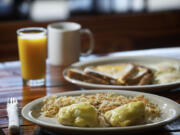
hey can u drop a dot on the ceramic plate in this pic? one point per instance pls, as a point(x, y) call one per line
point(170, 111)
point(142, 60)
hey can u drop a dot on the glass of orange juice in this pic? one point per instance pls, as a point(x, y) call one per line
point(32, 54)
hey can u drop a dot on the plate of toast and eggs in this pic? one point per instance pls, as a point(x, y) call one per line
point(139, 73)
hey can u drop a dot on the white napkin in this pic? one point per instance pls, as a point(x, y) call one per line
point(12, 110)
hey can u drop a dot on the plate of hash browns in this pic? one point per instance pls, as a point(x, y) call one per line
point(101, 111)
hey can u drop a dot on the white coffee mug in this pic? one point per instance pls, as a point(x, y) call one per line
point(64, 43)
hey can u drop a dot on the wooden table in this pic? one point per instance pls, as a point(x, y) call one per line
point(11, 86)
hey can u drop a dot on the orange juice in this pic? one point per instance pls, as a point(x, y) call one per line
point(32, 53)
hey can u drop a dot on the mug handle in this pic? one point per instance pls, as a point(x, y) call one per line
point(91, 45)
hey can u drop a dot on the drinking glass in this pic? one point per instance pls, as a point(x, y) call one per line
point(32, 54)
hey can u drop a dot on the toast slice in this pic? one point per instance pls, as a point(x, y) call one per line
point(114, 74)
point(82, 76)
point(141, 76)
point(146, 79)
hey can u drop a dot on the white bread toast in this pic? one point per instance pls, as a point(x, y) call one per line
point(114, 74)
point(141, 76)
point(80, 75)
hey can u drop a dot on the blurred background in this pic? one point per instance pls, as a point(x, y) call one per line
point(50, 10)
point(122, 24)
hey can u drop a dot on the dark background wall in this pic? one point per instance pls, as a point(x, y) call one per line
point(127, 27)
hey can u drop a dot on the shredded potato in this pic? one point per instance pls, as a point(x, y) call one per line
point(103, 102)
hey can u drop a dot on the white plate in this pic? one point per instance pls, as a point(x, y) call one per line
point(170, 111)
point(142, 60)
